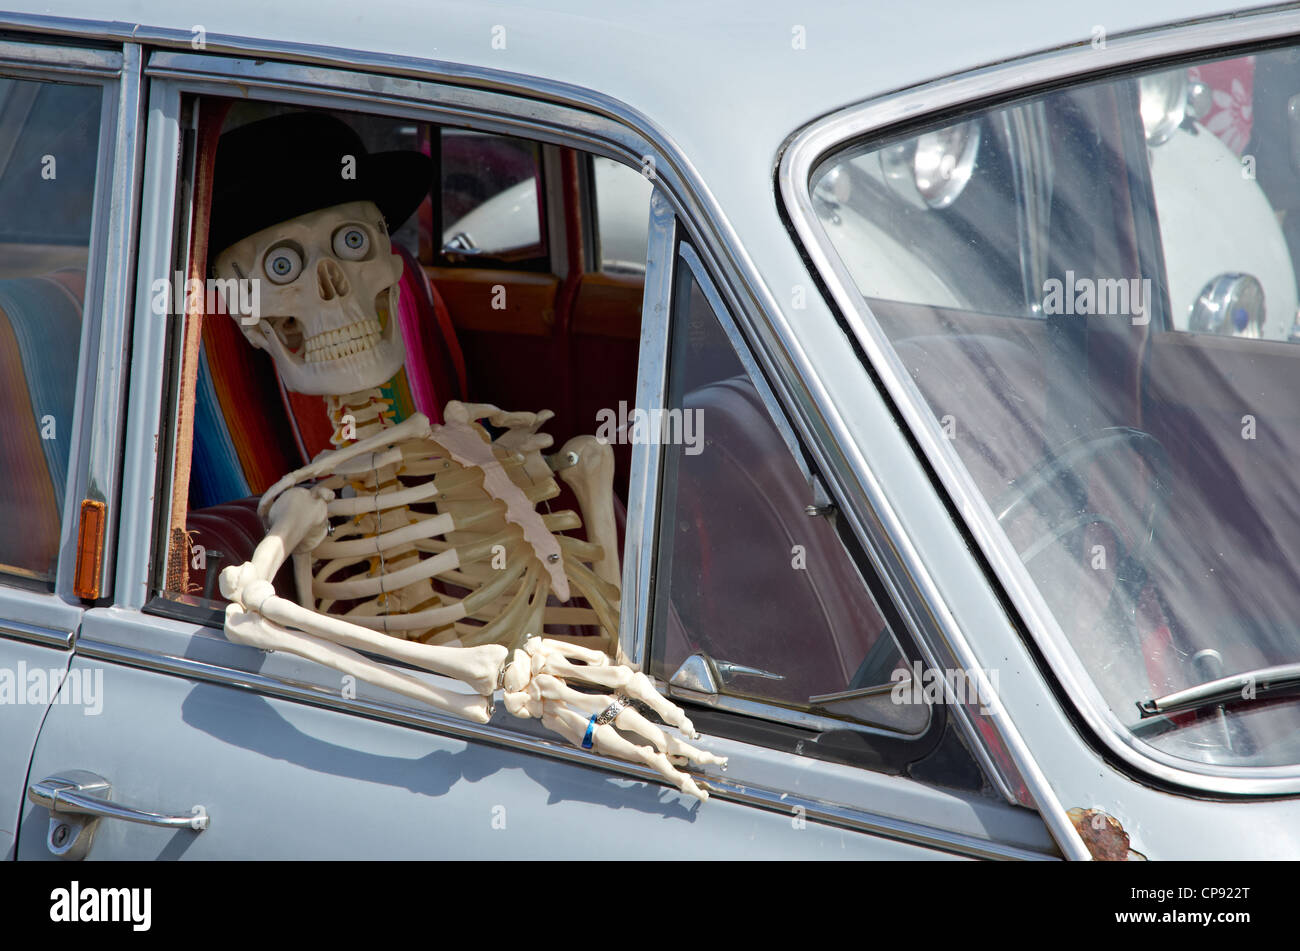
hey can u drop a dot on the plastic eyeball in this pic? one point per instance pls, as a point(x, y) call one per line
point(351, 243)
point(283, 264)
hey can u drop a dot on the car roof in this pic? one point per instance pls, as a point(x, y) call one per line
point(699, 70)
point(724, 80)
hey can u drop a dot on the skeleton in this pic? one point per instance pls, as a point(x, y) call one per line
point(384, 528)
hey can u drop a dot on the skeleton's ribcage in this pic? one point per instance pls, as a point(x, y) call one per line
point(420, 549)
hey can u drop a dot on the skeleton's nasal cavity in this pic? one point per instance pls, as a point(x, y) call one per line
point(330, 280)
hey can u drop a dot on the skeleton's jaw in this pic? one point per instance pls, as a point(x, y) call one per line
point(355, 354)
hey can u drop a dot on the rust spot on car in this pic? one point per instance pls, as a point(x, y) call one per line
point(1103, 835)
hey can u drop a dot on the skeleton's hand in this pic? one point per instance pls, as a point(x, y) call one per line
point(536, 685)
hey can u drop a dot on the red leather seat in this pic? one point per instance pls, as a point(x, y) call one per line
point(229, 534)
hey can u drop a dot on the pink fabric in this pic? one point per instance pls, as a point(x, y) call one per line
point(1232, 113)
point(417, 360)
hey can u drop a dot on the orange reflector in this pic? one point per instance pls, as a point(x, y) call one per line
point(90, 550)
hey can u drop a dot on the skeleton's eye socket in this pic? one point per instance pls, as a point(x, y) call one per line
point(283, 264)
point(351, 243)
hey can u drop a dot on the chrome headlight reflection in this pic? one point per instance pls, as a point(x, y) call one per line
point(931, 170)
point(1163, 104)
point(1231, 304)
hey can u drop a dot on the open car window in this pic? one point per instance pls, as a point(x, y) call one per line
point(466, 333)
point(1093, 290)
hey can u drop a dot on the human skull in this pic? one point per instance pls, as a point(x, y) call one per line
point(328, 298)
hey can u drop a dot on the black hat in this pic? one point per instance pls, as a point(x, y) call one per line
point(288, 165)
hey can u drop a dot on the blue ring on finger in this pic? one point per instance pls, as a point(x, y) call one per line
point(591, 728)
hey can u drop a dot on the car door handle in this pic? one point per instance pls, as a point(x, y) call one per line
point(78, 799)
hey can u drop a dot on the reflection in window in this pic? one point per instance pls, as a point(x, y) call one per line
point(49, 140)
point(491, 196)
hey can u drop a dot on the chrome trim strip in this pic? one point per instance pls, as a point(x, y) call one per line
point(425, 95)
point(58, 62)
point(114, 335)
point(651, 392)
point(808, 148)
point(431, 721)
point(37, 635)
point(145, 441)
point(797, 718)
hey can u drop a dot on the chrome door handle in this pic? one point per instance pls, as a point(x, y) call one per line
point(78, 799)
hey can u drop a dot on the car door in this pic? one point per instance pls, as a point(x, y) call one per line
point(58, 112)
point(210, 749)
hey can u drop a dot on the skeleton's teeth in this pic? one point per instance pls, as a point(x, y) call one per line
point(342, 342)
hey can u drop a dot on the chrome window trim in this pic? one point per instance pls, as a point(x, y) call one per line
point(604, 126)
point(16, 630)
point(146, 445)
point(816, 810)
point(67, 63)
point(973, 90)
point(772, 712)
point(99, 478)
point(651, 392)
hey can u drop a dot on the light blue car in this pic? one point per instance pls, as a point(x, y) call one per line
point(948, 362)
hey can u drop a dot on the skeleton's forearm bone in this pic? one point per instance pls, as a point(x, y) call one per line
point(477, 667)
point(258, 632)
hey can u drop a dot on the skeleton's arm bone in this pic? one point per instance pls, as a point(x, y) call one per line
point(478, 667)
point(247, 628)
point(592, 481)
point(298, 524)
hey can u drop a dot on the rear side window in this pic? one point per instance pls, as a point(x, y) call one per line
point(48, 147)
